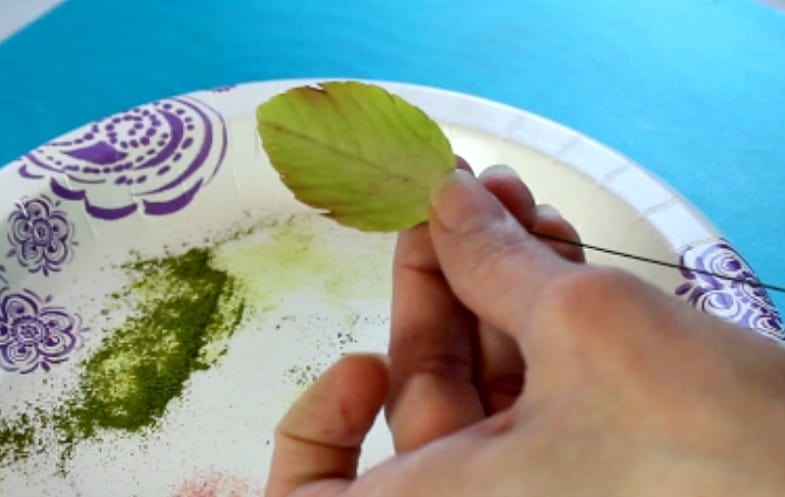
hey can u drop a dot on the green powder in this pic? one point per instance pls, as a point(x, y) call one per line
point(180, 313)
point(17, 437)
point(184, 310)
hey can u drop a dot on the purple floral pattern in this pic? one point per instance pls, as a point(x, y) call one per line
point(154, 158)
point(223, 88)
point(41, 236)
point(737, 301)
point(35, 334)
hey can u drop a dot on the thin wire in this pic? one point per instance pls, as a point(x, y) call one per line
point(746, 281)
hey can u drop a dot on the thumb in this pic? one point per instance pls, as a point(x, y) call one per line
point(492, 263)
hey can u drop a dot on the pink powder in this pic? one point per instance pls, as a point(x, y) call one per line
point(216, 484)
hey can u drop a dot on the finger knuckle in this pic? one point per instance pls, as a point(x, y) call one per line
point(447, 365)
point(586, 298)
point(491, 256)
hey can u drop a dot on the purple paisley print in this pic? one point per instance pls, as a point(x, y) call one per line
point(154, 158)
point(40, 235)
point(35, 334)
point(741, 303)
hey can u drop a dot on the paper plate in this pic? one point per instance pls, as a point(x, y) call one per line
point(164, 298)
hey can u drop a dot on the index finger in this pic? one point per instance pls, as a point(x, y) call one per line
point(317, 444)
point(431, 349)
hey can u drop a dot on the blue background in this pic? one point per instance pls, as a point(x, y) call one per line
point(694, 90)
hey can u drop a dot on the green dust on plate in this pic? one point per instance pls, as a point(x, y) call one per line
point(17, 437)
point(185, 310)
point(298, 254)
point(180, 313)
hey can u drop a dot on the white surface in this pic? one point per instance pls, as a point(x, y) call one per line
point(639, 190)
point(16, 14)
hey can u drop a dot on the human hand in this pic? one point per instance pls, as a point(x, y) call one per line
point(626, 390)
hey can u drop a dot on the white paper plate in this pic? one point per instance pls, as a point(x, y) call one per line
point(190, 172)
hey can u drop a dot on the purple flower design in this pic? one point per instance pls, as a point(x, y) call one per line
point(35, 334)
point(737, 301)
point(41, 235)
point(154, 158)
point(223, 88)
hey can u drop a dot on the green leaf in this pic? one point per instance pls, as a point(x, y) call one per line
point(365, 157)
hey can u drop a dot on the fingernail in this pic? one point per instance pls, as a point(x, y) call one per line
point(454, 178)
point(462, 163)
point(460, 203)
point(547, 210)
point(384, 358)
point(500, 170)
point(381, 357)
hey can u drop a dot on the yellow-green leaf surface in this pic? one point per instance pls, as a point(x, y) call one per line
point(366, 157)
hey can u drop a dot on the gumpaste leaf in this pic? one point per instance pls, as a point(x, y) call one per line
point(365, 157)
